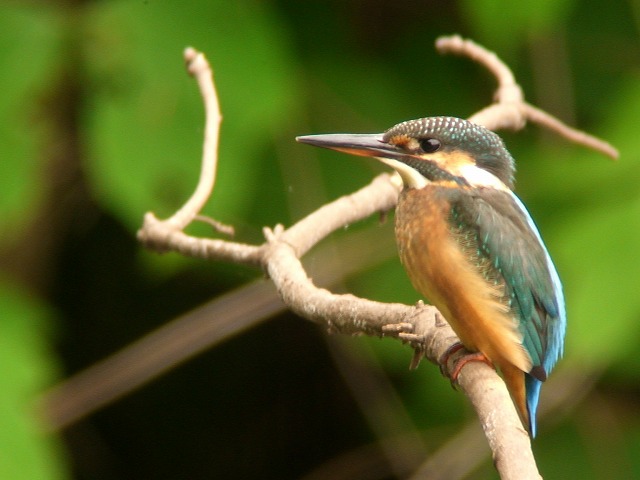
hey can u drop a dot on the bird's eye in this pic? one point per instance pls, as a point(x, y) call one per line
point(429, 145)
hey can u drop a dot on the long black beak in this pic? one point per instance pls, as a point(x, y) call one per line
point(363, 144)
point(415, 172)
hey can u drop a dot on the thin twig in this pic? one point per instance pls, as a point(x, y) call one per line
point(508, 90)
point(550, 122)
point(198, 66)
point(161, 236)
point(218, 226)
point(510, 111)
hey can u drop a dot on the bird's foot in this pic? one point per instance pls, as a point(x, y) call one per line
point(444, 358)
point(472, 357)
point(460, 362)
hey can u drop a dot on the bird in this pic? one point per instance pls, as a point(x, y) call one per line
point(469, 246)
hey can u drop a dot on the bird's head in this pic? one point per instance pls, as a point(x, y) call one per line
point(434, 149)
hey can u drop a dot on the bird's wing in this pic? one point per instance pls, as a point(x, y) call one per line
point(506, 235)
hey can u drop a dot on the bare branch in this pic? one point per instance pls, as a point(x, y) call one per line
point(505, 112)
point(165, 235)
point(204, 327)
point(542, 118)
point(198, 66)
point(380, 195)
point(420, 326)
point(161, 236)
point(463, 453)
point(219, 227)
point(510, 110)
point(508, 90)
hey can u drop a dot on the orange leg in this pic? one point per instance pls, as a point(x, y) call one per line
point(462, 361)
point(444, 358)
point(472, 357)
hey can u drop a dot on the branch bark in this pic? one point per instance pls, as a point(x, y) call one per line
point(420, 326)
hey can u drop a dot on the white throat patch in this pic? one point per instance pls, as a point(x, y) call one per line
point(410, 176)
point(477, 177)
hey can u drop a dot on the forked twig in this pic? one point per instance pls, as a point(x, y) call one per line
point(198, 67)
point(510, 111)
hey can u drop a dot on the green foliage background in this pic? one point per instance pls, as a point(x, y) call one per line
point(100, 123)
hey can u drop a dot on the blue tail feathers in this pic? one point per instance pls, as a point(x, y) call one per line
point(532, 386)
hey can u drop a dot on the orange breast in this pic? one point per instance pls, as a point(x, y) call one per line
point(444, 274)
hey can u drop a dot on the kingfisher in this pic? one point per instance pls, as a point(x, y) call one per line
point(470, 247)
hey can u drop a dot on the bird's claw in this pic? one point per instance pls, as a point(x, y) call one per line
point(460, 362)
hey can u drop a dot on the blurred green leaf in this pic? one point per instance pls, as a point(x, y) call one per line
point(27, 366)
point(603, 282)
point(29, 49)
point(594, 233)
point(503, 24)
point(146, 120)
point(607, 298)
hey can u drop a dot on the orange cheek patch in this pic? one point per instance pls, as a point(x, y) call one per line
point(405, 142)
point(400, 140)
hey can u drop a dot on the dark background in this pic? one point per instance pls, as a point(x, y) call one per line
point(101, 123)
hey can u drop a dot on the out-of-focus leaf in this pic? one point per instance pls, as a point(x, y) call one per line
point(29, 43)
point(603, 286)
point(26, 368)
point(503, 24)
point(146, 122)
point(597, 237)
